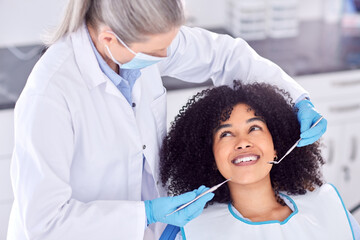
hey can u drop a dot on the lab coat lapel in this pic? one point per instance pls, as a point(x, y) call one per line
point(86, 59)
point(89, 66)
point(110, 88)
point(158, 107)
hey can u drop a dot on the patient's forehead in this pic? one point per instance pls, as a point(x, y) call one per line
point(244, 110)
point(243, 107)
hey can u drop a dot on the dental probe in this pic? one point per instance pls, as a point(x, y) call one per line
point(206, 192)
point(297, 142)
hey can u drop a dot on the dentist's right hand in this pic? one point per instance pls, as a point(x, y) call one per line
point(157, 209)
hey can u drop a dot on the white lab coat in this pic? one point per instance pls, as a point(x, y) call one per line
point(78, 157)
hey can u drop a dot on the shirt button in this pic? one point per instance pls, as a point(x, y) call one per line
point(144, 146)
point(133, 104)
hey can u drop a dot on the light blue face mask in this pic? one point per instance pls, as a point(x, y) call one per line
point(140, 60)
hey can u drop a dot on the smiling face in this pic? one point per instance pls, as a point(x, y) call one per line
point(242, 146)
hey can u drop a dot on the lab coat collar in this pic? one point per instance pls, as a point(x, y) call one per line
point(86, 59)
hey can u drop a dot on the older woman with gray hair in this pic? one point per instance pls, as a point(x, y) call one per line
point(90, 121)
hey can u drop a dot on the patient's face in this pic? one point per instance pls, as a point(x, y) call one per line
point(242, 146)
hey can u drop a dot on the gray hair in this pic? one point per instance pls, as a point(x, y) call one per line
point(131, 20)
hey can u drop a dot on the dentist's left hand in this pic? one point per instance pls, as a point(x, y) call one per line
point(157, 209)
point(307, 116)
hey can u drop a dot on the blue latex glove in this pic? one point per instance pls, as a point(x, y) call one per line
point(307, 116)
point(157, 209)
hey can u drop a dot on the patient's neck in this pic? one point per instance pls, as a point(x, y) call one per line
point(257, 201)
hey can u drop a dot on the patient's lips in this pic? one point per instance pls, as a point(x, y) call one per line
point(245, 159)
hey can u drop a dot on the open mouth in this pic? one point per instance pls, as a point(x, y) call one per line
point(245, 160)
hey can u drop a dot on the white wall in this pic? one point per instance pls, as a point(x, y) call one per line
point(23, 21)
point(206, 13)
point(310, 9)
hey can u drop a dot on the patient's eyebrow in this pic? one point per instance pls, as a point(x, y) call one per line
point(221, 127)
point(255, 119)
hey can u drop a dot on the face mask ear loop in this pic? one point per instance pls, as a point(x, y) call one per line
point(122, 42)
point(112, 57)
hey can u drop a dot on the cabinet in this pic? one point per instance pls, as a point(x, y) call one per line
point(4, 219)
point(6, 148)
point(6, 132)
point(337, 97)
point(341, 149)
point(176, 99)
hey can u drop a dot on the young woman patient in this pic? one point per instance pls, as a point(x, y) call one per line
point(233, 133)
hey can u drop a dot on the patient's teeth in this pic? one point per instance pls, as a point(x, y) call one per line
point(245, 159)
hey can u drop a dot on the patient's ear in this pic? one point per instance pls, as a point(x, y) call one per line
point(275, 155)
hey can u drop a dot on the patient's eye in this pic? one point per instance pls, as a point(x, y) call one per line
point(225, 134)
point(255, 128)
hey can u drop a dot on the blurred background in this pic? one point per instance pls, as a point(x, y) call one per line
point(317, 42)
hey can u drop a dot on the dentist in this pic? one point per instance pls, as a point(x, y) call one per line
point(91, 118)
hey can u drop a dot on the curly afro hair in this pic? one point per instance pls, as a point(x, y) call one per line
point(186, 157)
